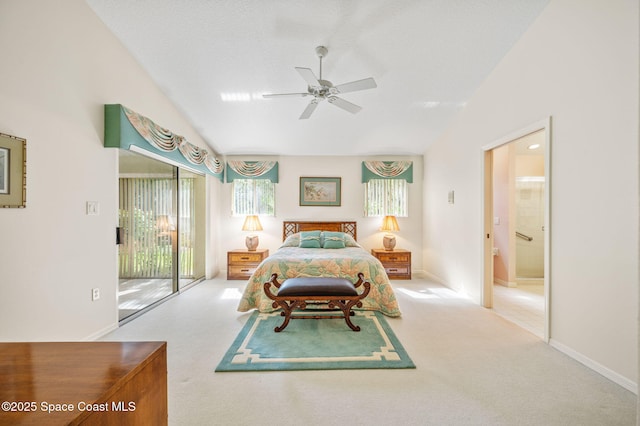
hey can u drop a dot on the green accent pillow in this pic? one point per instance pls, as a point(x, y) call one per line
point(310, 239)
point(333, 240)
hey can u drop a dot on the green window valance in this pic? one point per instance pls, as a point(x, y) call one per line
point(252, 170)
point(387, 170)
point(124, 128)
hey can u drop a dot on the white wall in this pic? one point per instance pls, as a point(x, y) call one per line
point(288, 208)
point(60, 65)
point(578, 63)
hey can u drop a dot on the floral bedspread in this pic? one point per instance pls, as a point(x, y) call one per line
point(291, 262)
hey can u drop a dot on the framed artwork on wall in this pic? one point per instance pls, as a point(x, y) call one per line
point(13, 171)
point(320, 191)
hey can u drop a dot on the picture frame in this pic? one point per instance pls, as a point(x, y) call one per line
point(320, 191)
point(13, 171)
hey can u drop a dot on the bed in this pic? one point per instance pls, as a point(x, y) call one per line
point(291, 261)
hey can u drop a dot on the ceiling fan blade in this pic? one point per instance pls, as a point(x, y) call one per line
point(309, 109)
point(345, 105)
point(308, 76)
point(278, 95)
point(367, 83)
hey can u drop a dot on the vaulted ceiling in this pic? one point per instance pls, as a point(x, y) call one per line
point(215, 58)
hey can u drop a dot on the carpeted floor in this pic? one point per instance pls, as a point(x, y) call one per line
point(474, 368)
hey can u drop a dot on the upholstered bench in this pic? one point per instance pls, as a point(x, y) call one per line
point(296, 293)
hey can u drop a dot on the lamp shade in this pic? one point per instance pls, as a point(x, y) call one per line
point(389, 223)
point(252, 223)
point(165, 224)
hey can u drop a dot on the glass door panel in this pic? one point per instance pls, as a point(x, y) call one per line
point(148, 221)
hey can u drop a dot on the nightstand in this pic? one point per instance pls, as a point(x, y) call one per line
point(242, 263)
point(396, 262)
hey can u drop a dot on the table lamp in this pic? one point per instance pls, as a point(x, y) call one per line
point(252, 223)
point(165, 227)
point(389, 223)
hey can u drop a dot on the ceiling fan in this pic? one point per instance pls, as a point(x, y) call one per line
point(323, 89)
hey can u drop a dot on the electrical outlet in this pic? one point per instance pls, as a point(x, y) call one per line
point(95, 294)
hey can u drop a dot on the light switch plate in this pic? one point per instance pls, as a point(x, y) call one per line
point(93, 208)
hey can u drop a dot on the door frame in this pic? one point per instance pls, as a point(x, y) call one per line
point(487, 216)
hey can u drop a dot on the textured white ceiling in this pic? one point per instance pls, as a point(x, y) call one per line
point(427, 57)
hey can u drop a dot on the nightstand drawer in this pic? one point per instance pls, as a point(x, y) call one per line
point(393, 257)
point(397, 270)
point(245, 257)
point(241, 264)
point(242, 271)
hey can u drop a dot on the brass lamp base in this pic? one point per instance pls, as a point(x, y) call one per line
point(251, 242)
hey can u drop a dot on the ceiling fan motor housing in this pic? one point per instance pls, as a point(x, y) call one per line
point(321, 51)
point(326, 88)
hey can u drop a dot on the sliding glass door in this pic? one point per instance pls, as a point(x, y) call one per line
point(162, 225)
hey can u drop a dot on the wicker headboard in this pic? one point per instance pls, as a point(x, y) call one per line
point(291, 227)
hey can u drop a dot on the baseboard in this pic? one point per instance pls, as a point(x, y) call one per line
point(530, 281)
point(510, 284)
point(418, 273)
point(435, 278)
point(98, 334)
point(595, 366)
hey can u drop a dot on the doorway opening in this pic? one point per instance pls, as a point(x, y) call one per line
point(516, 210)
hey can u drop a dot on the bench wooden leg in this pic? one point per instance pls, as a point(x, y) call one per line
point(346, 310)
point(287, 310)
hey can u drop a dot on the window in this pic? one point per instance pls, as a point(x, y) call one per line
point(384, 197)
point(385, 187)
point(253, 196)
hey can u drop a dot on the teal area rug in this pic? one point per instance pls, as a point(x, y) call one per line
point(309, 344)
